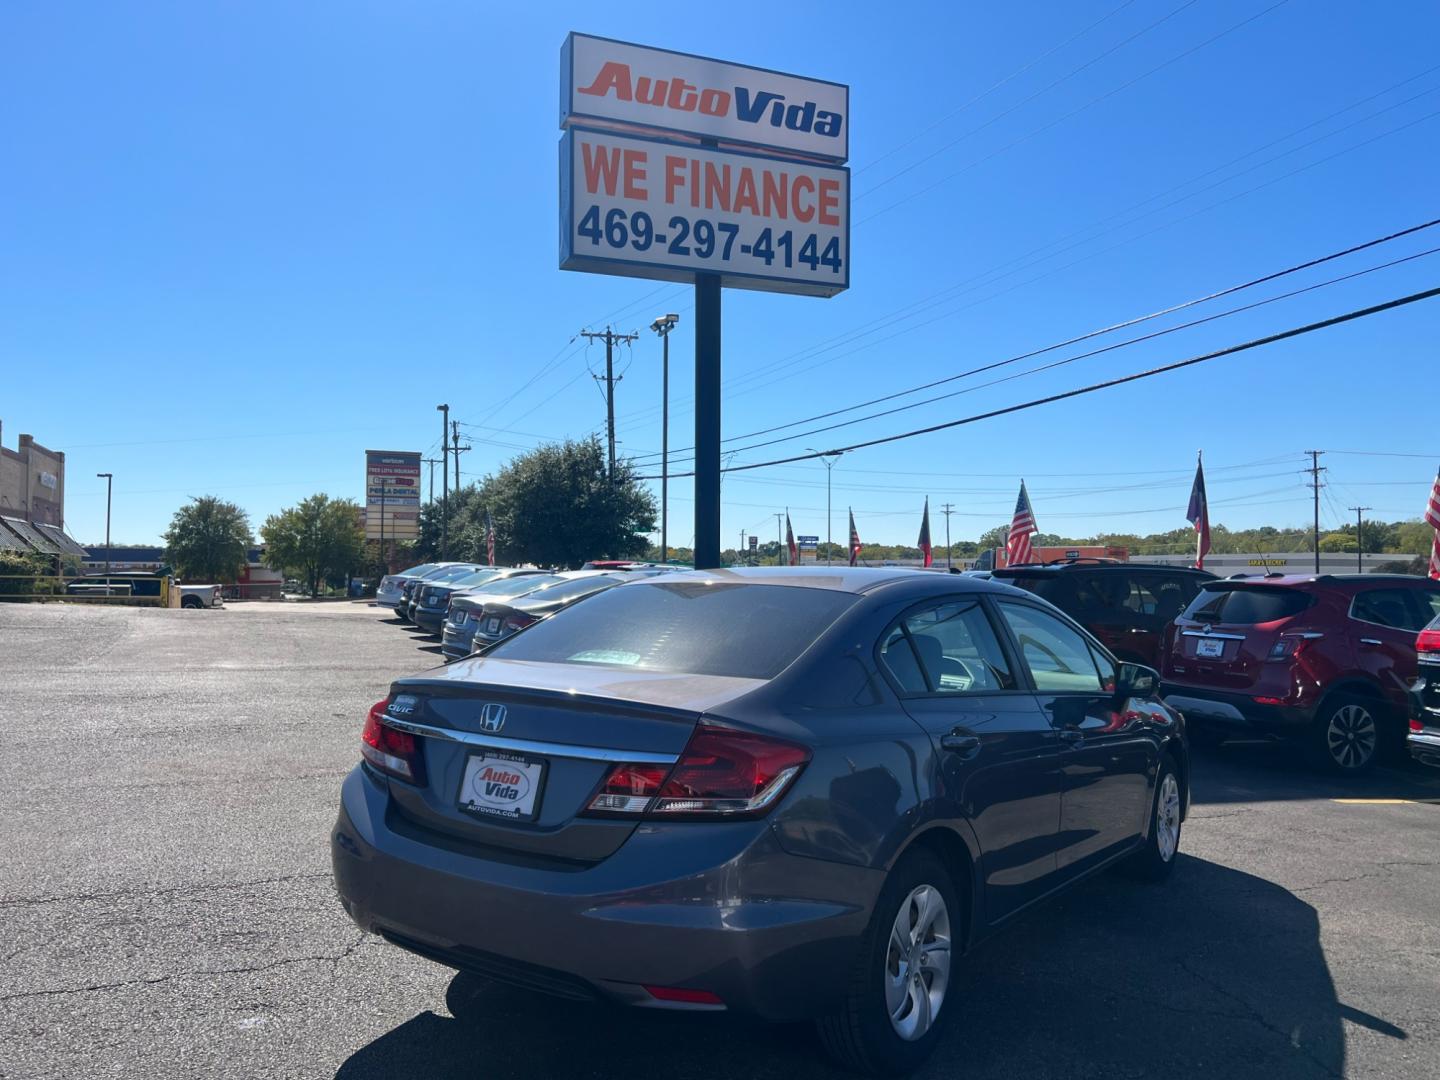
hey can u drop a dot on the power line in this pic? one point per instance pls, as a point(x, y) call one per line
point(1089, 335)
point(1270, 339)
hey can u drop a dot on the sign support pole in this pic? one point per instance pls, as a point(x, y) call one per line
point(707, 421)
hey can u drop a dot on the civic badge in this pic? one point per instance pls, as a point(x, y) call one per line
point(492, 717)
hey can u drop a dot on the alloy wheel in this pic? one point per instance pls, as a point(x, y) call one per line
point(1351, 736)
point(917, 962)
point(1167, 817)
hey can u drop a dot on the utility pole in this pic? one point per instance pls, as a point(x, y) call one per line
point(109, 479)
point(610, 338)
point(432, 462)
point(1315, 471)
point(947, 510)
point(457, 450)
point(741, 553)
point(780, 539)
point(662, 326)
point(444, 481)
point(1360, 537)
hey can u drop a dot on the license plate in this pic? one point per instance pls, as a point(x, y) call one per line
point(503, 785)
point(492, 626)
point(1210, 648)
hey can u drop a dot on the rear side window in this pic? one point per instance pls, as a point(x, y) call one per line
point(1402, 609)
point(746, 631)
point(1245, 606)
point(953, 645)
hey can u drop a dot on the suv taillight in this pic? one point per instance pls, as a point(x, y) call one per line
point(391, 751)
point(1289, 645)
point(723, 774)
point(1428, 641)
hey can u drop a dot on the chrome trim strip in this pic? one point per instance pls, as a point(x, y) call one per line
point(1212, 634)
point(527, 746)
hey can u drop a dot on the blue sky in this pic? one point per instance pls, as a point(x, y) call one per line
point(241, 243)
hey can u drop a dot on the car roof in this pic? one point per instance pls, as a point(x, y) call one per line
point(1073, 565)
point(851, 579)
point(1293, 581)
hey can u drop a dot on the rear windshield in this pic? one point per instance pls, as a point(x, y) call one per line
point(747, 631)
point(416, 571)
point(569, 588)
point(1245, 606)
point(1046, 586)
point(518, 585)
point(474, 577)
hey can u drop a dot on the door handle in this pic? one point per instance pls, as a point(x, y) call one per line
point(1371, 641)
point(1072, 735)
point(960, 742)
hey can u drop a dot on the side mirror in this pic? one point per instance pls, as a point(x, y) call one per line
point(1136, 681)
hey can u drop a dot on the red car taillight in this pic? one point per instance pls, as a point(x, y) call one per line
point(723, 773)
point(391, 751)
point(1428, 641)
point(519, 622)
point(1416, 725)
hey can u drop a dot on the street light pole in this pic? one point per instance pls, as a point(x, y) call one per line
point(662, 326)
point(444, 410)
point(109, 479)
point(828, 459)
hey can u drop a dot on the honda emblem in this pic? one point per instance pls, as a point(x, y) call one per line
point(492, 717)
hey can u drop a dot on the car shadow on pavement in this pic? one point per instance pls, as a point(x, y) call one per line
point(1260, 770)
point(1216, 973)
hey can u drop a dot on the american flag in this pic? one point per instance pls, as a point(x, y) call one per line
point(790, 542)
point(854, 540)
point(1198, 515)
point(1432, 518)
point(489, 538)
point(924, 542)
point(1017, 546)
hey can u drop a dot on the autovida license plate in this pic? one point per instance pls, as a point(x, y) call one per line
point(497, 784)
point(1210, 648)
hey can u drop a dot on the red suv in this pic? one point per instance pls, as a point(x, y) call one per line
point(1328, 659)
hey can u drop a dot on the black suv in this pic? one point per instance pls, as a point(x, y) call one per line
point(1126, 605)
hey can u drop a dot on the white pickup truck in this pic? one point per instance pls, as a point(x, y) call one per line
point(200, 596)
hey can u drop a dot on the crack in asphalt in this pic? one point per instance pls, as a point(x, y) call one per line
point(172, 890)
point(250, 969)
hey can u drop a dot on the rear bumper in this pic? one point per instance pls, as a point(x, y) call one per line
point(455, 644)
point(431, 619)
point(1218, 708)
point(699, 906)
point(1424, 746)
point(387, 600)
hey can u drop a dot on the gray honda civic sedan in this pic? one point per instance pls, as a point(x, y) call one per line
point(795, 793)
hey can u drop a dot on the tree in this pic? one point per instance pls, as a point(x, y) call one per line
point(318, 540)
point(208, 539)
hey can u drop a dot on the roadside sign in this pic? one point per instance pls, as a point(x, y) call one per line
point(606, 83)
point(639, 207)
point(392, 495)
point(754, 543)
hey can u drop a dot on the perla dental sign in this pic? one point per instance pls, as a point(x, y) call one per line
point(608, 82)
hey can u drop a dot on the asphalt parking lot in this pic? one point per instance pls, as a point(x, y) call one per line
point(166, 906)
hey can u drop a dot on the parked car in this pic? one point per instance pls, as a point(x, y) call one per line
point(388, 592)
point(1126, 605)
point(1329, 660)
point(432, 598)
point(792, 793)
point(477, 621)
point(1424, 737)
point(409, 591)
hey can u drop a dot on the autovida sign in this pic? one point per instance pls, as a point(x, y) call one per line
point(676, 166)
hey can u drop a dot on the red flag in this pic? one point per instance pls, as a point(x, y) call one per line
point(924, 541)
point(1022, 526)
point(790, 541)
point(1432, 518)
point(1199, 516)
point(854, 540)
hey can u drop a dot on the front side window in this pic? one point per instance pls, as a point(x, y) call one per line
point(1059, 657)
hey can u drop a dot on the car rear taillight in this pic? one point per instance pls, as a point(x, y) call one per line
point(519, 622)
point(1416, 725)
point(723, 774)
point(1428, 641)
point(1289, 645)
point(391, 751)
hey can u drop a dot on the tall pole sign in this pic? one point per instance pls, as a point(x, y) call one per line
point(679, 168)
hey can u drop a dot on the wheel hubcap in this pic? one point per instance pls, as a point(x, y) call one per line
point(917, 962)
point(1167, 817)
point(1351, 737)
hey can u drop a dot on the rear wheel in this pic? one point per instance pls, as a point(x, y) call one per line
point(894, 1012)
point(1346, 735)
point(190, 602)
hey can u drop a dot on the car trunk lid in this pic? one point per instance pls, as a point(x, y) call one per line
point(514, 751)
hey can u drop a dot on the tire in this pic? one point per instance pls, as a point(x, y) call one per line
point(862, 1036)
point(190, 602)
point(1156, 860)
point(1345, 738)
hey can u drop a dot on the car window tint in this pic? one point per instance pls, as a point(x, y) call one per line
point(959, 649)
point(688, 626)
point(1246, 605)
point(1106, 667)
point(899, 659)
point(1387, 607)
point(1058, 657)
point(1169, 594)
point(1430, 601)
